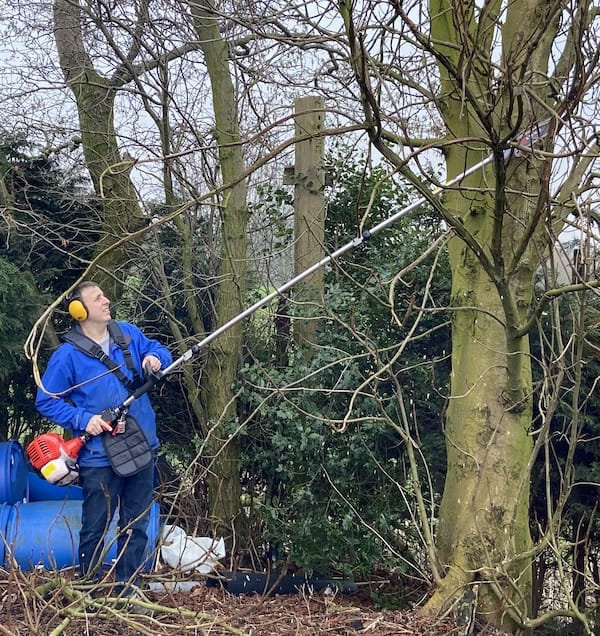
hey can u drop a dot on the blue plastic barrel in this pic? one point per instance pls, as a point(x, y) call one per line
point(13, 473)
point(5, 512)
point(42, 490)
point(47, 533)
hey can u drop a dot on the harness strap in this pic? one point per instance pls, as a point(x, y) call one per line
point(122, 341)
point(129, 450)
point(79, 340)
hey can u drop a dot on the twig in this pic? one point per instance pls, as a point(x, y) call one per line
point(59, 629)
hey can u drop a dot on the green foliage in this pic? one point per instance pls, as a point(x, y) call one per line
point(18, 308)
point(48, 228)
point(574, 432)
point(268, 209)
point(314, 487)
point(326, 475)
point(53, 223)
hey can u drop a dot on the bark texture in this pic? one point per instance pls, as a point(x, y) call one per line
point(222, 366)
point(95, 98)
point(483, 536)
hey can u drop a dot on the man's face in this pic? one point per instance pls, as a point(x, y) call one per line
point(97, 304)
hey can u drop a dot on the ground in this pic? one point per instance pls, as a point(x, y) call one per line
point(49, 605)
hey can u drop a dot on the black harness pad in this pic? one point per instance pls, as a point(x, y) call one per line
point(129, 451)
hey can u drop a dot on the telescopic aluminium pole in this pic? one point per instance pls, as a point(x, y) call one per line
point(355, 242)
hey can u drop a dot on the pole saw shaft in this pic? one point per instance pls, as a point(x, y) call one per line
point(536, 131)
point(355, 242)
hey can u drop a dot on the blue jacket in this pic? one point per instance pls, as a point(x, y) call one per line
point(87, 388)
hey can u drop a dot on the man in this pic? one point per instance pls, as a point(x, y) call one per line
point(76, 389)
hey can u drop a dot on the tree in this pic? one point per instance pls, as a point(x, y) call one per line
point(496, 74)
point(95, 97)
point(221, 369)
point(96, 93)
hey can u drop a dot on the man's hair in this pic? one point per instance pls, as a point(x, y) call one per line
point(85, 284)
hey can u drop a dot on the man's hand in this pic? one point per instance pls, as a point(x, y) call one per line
point(153, 361)
point(97, 425)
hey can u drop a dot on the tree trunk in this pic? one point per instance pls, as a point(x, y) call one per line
point(483, 534)
point(483, 519)
point(223, 362)
point(95, 96)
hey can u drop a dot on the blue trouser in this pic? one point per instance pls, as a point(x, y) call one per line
point(103, 492)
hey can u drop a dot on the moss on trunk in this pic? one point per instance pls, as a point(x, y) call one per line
point(221, 371)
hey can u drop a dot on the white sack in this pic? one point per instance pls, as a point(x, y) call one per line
point(201, 554)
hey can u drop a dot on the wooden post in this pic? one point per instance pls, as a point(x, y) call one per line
point(309, 215)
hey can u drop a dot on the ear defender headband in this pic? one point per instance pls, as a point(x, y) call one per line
point(76, 307)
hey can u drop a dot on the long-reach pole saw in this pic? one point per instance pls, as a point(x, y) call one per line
point(56, 459)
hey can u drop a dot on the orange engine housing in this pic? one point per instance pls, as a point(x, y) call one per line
point(49, 446)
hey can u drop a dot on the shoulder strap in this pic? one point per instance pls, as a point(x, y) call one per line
point(94, 350)
point(122, 341)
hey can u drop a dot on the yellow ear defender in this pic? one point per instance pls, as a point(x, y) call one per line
point(76, 307)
